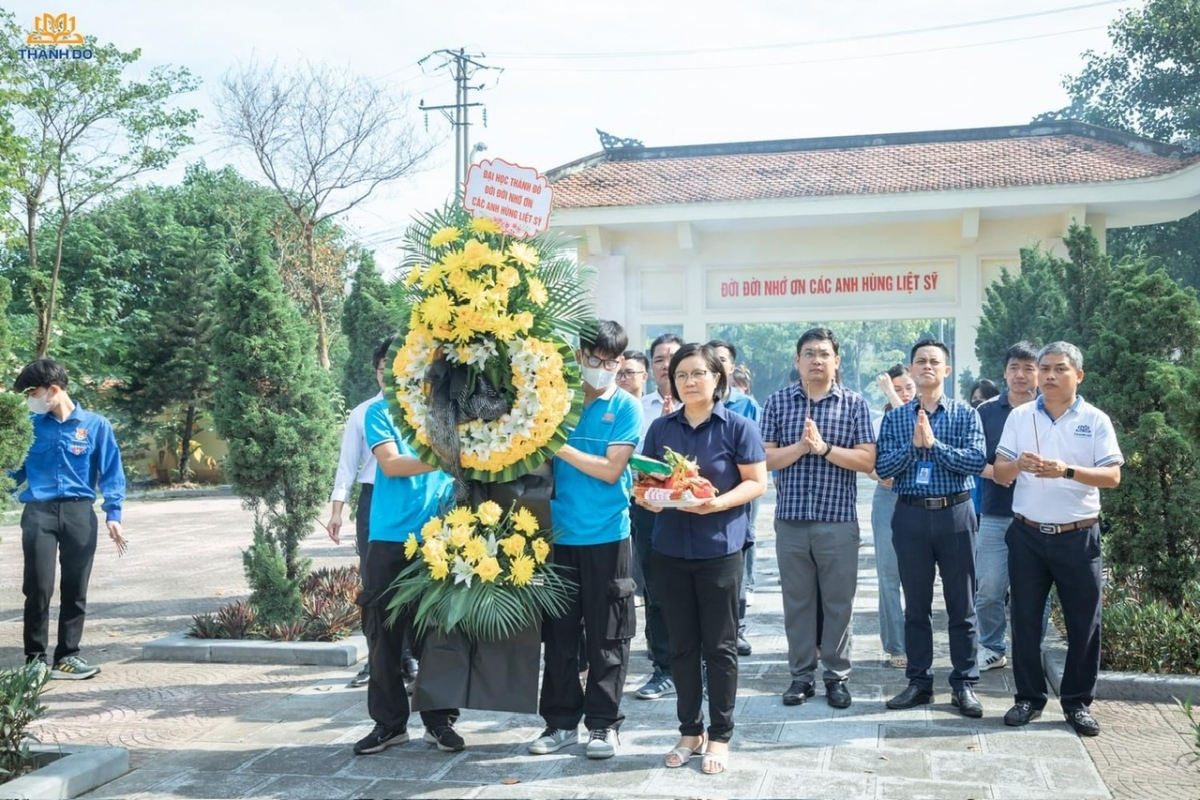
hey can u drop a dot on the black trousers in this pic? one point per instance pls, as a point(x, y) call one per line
point(66, 531)
point(658, 638)
point(387, 699)
point(604, 604)
point(1071, 562)
point(700, 602)
point(941, 541)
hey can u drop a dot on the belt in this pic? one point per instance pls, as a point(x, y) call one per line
point(1048, 528)
point(935, 503)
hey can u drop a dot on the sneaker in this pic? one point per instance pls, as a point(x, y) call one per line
point(987, 659)
point(73, 668)
point(445, 737)
point(362, 678)
point(749, 597)
point(378, 740)
point(552, 740)
point(659, 685)
point(602, 743)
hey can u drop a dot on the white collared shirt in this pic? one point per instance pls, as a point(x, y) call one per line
point(652, 407)
point(356, 461)
point(1082, 437)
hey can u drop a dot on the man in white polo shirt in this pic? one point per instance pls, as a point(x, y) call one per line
point(1061, 451)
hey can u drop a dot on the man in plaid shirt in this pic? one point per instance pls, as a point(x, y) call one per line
point(817, 434)
point(932, 447)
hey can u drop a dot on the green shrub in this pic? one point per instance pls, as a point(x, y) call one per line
point(20, 705)
point(1142, 635)
point(275, 597)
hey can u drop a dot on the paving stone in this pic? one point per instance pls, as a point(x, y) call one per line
point(787, 783)
point(205, 757)
point(1077, 775)
point(996, 770)
point(415, 761)
point(140, 780)
point(880, 761)
point(917, 737)
point(904, 789)
point(1035, 744)
point(402, 788)
point(214, 785)
point(822, 733)
point(485, 767)
point(293, 787)
point(624, 775)
point(739, 780)
point(303, 760)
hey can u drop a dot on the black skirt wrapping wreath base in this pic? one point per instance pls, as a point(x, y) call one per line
point(458, 671)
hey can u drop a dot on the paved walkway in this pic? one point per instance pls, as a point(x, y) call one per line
point(217, 730)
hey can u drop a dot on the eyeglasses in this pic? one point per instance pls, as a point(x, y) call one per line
point(607, 363)
point(626, 374)
point(698, 375)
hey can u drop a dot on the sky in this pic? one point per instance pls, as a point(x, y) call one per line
point(666, 72)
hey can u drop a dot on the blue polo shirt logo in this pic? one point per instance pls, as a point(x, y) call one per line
point(81, 434)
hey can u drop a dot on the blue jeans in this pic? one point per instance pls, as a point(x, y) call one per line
point(891, 607)
point(991, 576)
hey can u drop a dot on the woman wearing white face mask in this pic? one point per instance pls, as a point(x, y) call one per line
point(590, 511)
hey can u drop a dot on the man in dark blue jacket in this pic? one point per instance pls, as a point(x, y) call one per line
point(74, 453)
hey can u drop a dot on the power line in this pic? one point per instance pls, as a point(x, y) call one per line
point(815, 42)
point(831, 59)
point(463, 67)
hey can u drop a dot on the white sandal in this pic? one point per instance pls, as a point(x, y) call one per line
point(683, 755)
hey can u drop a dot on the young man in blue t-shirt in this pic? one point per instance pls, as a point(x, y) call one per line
point(590, 513)
point(408, 492)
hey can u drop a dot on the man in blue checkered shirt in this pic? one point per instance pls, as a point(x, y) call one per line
point(933, 447)
point(817, 434)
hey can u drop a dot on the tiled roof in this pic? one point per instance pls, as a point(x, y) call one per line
point(1059, 153)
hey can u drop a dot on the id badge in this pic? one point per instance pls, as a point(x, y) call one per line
point(924, 473)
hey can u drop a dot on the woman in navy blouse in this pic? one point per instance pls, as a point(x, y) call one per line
point(697, 551)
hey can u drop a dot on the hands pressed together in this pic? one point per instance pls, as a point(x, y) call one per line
point(923, 431)
point(1040, 467)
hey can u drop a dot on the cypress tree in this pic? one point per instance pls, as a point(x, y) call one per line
point(365, 322)
point(16, 431)
point(272, 404)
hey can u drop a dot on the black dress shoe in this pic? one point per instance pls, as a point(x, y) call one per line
point(836, 694)
point(1022, 713)
point(967, 703)
point(743, 646)
point(797, 693)
point(1083, 722)
point(911, 697)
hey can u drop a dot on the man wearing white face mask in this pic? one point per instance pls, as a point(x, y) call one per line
point(74, 452)
point(590, 511)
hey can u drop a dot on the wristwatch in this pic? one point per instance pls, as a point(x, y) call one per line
point(1070, 473)
point(828, 450)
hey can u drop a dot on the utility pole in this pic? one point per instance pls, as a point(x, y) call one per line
point(463, 66)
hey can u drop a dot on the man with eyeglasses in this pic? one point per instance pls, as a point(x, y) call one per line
point(933, 448)
point(657, 404)
point(590, 512)
point(357, 463)
point(818, 435)
point(74, 452)
point(633, 373)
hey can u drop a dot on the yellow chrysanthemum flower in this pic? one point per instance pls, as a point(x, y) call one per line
point(461, 534)
point(541, 549)
point(438, 570)
point(520, 571)
point(524, 321)
point(461, 515)
point(431, 529)
point(507, 277)
point(524, 254)
point(413, 275)
point(489, 512)
point(411, 546)
point(537, 292)
point(445, 236)
point(437, 309)
point(475, 550)
point(484, 225)
point(525, 521)
point(513, 545)
point(488, 569)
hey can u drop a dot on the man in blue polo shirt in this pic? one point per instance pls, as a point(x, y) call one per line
point(408, 493)
point(74, 452)
point(590, 514)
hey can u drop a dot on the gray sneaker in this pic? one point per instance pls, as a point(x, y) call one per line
point(73, 668)
point(552, 740)
point(987, 659)
point(659, 685)
point(602, 743)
